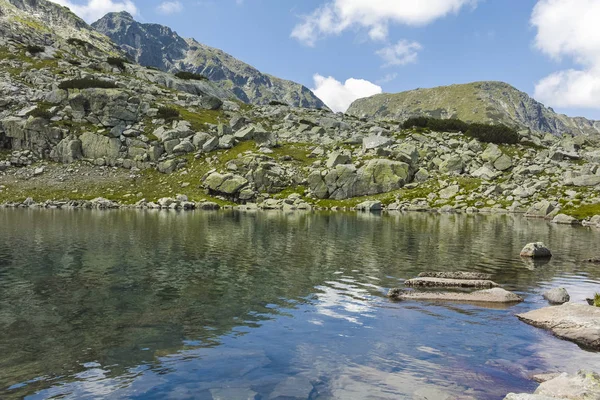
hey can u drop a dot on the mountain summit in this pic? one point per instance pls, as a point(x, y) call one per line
point(159, 46)
point(485, 102)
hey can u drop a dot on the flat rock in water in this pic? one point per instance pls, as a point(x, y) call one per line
point(585, 385)
point(495, 295)
point(456, 275)
point(579, 323)
point(455, 283)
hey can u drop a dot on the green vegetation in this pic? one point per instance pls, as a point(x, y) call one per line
point(77, 42)
point(277, 103)
point(87, 83)
point(582, 211)
point(168, 113)
point(74, 62)
point(597, 300)
point(190, 76)
point(42, 111)
point(35, 49)
point(117, 62)
point(435, 124)
point(499, 134)
point(200, 118)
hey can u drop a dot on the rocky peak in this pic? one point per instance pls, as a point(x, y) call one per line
point(159, 46)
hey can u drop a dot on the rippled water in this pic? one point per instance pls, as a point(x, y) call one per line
point(226, 305)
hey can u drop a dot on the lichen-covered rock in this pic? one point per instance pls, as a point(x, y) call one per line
point(536, 250)
point(68, 150)
point(228, 184)
point(106, 107)
point(98, 146)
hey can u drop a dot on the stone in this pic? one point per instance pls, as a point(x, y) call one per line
point(536, 250)
point(449, 192)
point(233, 393)
point(565, 220)
point(228, 184)
point(210, 145)
point(540, 209)
point(67, 150)
point(579, 323)
point(337, 158)
point(557, 296)
point(486, 173)
point(456, 275)
point(452, 165)
point(98, 146)
point(374, 142)
point(495, 295)
point(585, 385)
point(586, 180)
point(491, 153)
point(447, 282)
point(39, 171)
point(369, 206)
point(421, 175)
point(503, 163)
point(184, 147)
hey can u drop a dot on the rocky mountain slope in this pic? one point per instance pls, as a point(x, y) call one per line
point(160, 47)
point(80, 126)
point(486, 102)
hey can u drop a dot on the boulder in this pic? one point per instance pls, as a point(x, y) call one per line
point(579, 323)
point(586, 180)
point(495, 295)
point(452, 165)
point(540, 209)
point(450, 283)
point(456, 275)
point(107, 107)
point(557, 296)
point(374, 142)
point(585, 385)
point(369, 206)
point(228, 184)
point(536, 250)
point(491, 153)
point(337, 158)
point(449, 192)
point(485, 173)
point(503, 163)
point(67, 150)
point(565, 220)
point(98, 146)
point(381, 176)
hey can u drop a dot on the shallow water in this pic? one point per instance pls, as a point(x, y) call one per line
point(226, 305)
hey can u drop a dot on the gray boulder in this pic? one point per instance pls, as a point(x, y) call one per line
point(369, 206)
point(228, 184)
point(67, 150)
point(536, 250)
point(374, 142)
point(585, 385)
point(98, 146)
point(565, 220)
point(557, 296)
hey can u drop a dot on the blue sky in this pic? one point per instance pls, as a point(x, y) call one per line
point(546, 48)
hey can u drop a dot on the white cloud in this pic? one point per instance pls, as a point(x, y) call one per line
point(335, 16)
point(338, 96)
point(388, 78)
point(569, 29)
point(169, 7)
point(401, 53)
point(96, 9)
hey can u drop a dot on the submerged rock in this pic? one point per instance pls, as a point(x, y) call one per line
point(495, 295)
point(557, 296)
point(579, 323)
point(445, 282)
point(536, 250)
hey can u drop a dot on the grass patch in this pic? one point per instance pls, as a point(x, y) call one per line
point(582, 211)
point(298, 151)
point(42, 111)
point(200, 119)
point(77, 42)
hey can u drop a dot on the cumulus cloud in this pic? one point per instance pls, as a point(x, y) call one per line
point(169, 7)
point(569, 29)
point(335, 16)
point(93, 10)
point(338, 96)
point(402, 53)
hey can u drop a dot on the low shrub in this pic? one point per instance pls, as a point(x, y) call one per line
point(435, 124)
point(74, 62)
point(40, 112)
point(152, 68)
point(77, 42)
point(190, 76)
point(87, 83)
point(597, 300)
point(277, 103)
point(499, 134)
point(117, 62)
point(35, 49)
point(168, 113)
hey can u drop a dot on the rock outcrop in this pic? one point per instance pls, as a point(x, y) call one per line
point(495, 295)
point(585, 385)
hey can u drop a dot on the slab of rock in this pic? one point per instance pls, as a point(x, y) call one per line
point(455, 283)
point(579, 323)
point(536, 250)
point(557, 296)
point(565, 220)
point(585, 385)
point(369, 206)
point(456, 275)
point(495, 295)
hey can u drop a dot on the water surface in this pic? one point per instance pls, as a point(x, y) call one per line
point(227, 305)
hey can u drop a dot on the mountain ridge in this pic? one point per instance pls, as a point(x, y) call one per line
point(482, 101)
point(159, 46)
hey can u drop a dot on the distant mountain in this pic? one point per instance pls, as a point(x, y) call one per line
point(159, 46)
point(489, 102)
